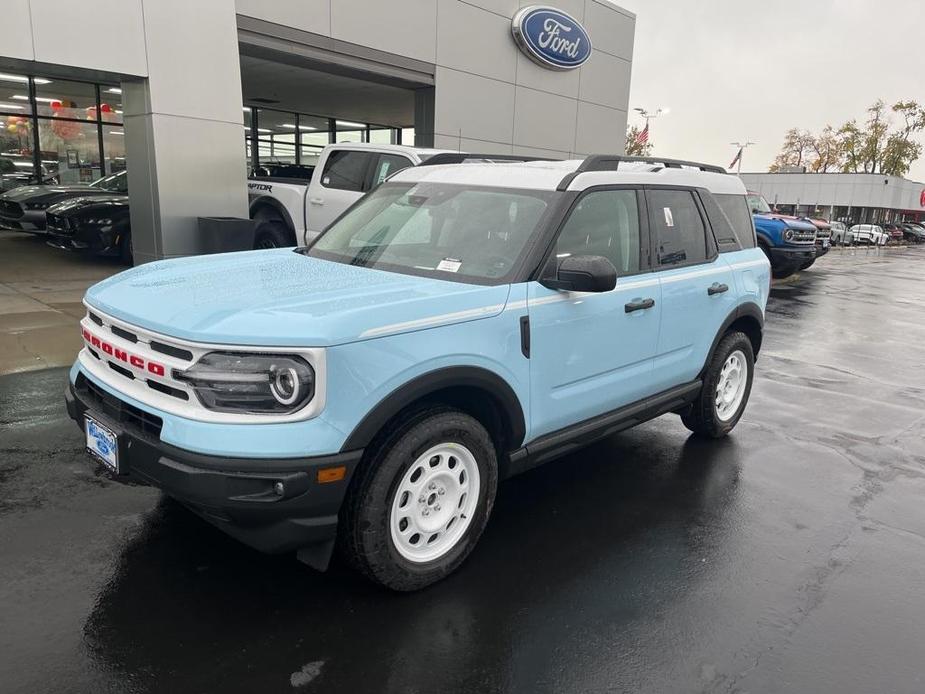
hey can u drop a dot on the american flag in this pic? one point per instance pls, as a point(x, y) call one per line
point(737, 157)
point(643, 135)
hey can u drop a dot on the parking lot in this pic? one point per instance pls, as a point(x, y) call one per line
point(789, 557)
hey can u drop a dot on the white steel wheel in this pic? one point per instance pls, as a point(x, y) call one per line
point(434, 502)
point(730, 387)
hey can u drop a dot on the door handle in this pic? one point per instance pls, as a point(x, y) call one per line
point(717, 288)
point(316, 201)
point(639, 305)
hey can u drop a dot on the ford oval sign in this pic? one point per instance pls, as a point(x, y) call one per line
point(551, 38)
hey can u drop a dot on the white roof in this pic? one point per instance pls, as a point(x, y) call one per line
point(421, 152)
point(547, 175)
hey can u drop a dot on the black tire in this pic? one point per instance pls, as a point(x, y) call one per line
point(273, 234)
point(702, 417)
point(126, 250)
point(366, 540)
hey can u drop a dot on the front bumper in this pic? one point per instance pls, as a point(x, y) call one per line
point(238, 495)
point(99, 241)
point(32, 221)
point(791, 256)
point(822, 247)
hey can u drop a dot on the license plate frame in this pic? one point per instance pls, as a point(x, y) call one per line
point(102, 443)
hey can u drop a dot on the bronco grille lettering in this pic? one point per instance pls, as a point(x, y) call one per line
point(138, 362)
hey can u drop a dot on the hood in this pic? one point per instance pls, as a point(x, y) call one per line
point(284, 298)
point(32, 192)
point(788, 221)
point(97, 203)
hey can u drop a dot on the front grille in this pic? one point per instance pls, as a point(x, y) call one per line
point(11, 210)
point(804, 236)
point(136, 420)
point(58, 224)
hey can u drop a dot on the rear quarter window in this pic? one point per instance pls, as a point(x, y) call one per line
point(737, 213)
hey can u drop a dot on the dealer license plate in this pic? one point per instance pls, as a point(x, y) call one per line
point(102, 443)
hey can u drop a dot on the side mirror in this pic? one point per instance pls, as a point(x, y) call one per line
point(583, 273)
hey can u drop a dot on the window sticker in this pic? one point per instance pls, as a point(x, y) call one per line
point(449, 265)
point(669, 219)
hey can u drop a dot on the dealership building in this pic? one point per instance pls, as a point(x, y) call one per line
point(846, 197)
point(192, 96)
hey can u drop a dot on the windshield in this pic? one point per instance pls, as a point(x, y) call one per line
point(758, 204)
point(438, 230)
point(116, 183)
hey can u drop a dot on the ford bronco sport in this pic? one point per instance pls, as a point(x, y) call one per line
point(456, 326)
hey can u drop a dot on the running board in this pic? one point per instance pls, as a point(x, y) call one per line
point(577, 436)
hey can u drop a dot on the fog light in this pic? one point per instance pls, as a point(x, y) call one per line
point(279, 488)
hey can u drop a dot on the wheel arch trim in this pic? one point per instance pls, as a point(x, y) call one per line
point(276, 205)
point(427, 384)
point(748, 310)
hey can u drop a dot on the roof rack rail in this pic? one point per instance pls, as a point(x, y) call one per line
point(460, 157)
point(611, 162)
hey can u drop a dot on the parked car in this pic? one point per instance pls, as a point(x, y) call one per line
point(290, 211)
point(871, 234)
point(18, 170)
point(788, 242)
point(99, 225)
point(913, 232)
point(838, 233)
point(894, 231)
point(823, 238)
point(458, 325)
point(23, 209)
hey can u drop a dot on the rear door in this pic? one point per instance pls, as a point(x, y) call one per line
point(344, 177)
point(338, 182)
point(697, 284)
point(591, 353)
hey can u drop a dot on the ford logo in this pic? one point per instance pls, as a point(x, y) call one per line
point(551, 38)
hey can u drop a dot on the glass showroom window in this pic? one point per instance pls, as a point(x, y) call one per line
point(72, 148)
point(56, 130)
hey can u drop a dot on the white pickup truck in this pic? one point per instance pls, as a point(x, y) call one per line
point(290, 211)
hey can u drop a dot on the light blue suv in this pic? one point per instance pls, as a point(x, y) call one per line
point(458, 325)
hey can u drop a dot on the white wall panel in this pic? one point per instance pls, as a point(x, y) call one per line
point(99, 35)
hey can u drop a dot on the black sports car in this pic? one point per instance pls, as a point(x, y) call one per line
point(23, 209)
point(98, 225)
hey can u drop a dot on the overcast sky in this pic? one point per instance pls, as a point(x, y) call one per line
point(736, 69)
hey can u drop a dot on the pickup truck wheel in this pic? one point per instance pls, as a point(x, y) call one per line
point(727, 384)
point(272, 234)
point(422, 500)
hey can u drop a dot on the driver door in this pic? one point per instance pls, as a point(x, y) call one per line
point(591, 353)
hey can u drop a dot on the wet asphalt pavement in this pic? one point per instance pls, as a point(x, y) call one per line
point(789, 557)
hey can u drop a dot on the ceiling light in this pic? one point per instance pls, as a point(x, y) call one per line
point(301, 127)
point(350, 123)
point(14, 107)
point(247, 108)
point(113, 90)
point(22, 79)
point(43, 99)
point(116, 132)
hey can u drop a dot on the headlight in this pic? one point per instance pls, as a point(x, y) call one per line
point(788, 235)
point(36, 205)
point(251, 383)
point(98, 221)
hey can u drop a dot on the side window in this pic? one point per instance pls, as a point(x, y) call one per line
point(346, 169)
point(735, 207)
point(677, 227)
point(389, 164)
point(605, 223)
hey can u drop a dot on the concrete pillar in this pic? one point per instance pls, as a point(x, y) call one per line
point(184, 132)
